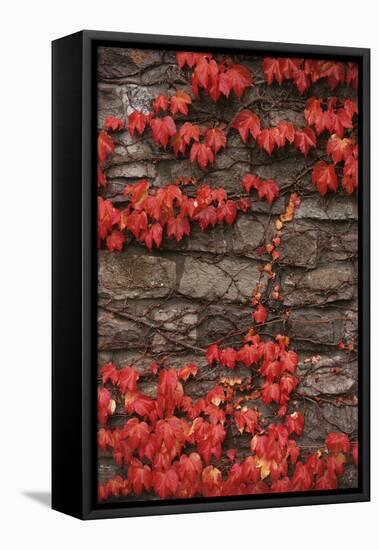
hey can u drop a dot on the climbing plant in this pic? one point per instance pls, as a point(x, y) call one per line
point(171, 445)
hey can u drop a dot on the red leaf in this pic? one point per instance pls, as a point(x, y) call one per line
point(179, 103)
point(177, 227)
point(107, 216)
point(247, 420)
point(260, 314)
point(127, 379)
point(248, 355)
point(337, 442)
point(268, 190)
point(115, 240)
point(163, 129)
point(313, 111)
point(216, 396)
point(170, 194)
point(284, 131)
point(101, 178)
point(161, 103)
point(188, 58)
point(138, 192)
point(187, 371)
point(228, 357)
point(352, 75)
point(138, 403)
point(109, 372)
point(339, 148)
point(295, 423)
point(236, 78)
point(202, 153)
point(335, 75)
point(139, 476)
point(324, 177)
point(270, 392)
point(342, 121)
point(137, 223)
point(244, 204)
point(165, 483)
point(105, 146)
point(350, 172)
point(305, 139)
point(178, 144)
point(137, 121)
point(215, 139)
point(114, 123)
point(211, 481)
point(301, 81)
point(251, 181)
point(153, 235)
point(189, 132)
point(227, 212)
point(289, 67)
point(288, 383)
point(190, 467)
point(105, 405)
point(213, 354)
point(205, 72)
point(266, 140)
point(271, 70)
point(246, 122)
point(301, 479)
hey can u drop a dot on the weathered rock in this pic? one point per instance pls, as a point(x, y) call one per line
point(248, 235)
point(317, 326)
point(214, 240)
point(336, 207)
point(228, 280)
point(325, 381)
point(299, 246)
point(115, 332)
point(120, 63)
point(135, 275)
point(321, 285)
point(197, 291)
point(110, 102)
point(319, 420)
point(132, 170)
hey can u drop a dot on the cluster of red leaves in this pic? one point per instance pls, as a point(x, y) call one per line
point(216, 79)
point(266, 189)
point(152, 212)
point(106, 146)
point(247, 122)
point(336, 117)
point(275, 363)
point(165, 132)
point(170, 444)
point(305, 72)
point(333, 115)
point(173, 446)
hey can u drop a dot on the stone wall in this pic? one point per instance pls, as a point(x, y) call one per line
point(175, 301)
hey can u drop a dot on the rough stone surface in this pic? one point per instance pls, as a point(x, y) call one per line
point(135, 275)
point(171, 304)
point(230, 280)
point(329, 283)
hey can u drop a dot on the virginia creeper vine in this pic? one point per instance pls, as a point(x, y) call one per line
point(171, 445)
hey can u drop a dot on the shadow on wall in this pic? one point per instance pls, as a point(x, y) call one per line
point(41, 497)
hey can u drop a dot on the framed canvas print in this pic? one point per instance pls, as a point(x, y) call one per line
point(210, 274)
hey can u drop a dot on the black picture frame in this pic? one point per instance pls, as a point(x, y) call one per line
point(74, 273)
